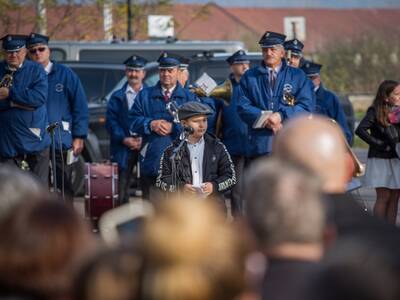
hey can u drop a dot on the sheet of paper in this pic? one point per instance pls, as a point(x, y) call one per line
point(71, 158)
point(258, 123)
point(206, 83)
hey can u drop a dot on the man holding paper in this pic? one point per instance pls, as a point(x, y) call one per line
point(270, 94)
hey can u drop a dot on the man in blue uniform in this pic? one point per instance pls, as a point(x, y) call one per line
point(152, 120)
point(124, 144)
point(214, 104)
point(271, 93)
point(23, 117)
point(67, 109)
point(327, 103)
point(234, 130)
point(294, 52)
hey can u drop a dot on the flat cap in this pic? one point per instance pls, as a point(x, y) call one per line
point(193, 108)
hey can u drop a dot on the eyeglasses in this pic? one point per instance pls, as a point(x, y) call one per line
point(35, 50)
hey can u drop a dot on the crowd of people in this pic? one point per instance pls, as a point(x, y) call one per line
point(273, 150)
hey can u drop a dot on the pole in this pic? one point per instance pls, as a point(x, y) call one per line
point(129, 16)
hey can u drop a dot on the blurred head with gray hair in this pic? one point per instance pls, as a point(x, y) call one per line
point(16, 186)
point(284, 207)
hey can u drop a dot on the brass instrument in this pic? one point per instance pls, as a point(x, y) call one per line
point(222, 91)
point(7, 80)
point(359, 168)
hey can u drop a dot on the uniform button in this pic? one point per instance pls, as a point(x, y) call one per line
point(195, 158)
point(195, 171)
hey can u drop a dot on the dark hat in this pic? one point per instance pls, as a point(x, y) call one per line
point(193, 108)
point(168, 61)
point(13, 42)
point(271, 39)
point(36, 38)
point(183, 61)
point(239, 57)
point(294, 45)
point(311, 69)
point(135, 62)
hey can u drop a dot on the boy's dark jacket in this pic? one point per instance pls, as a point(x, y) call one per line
point(217, 167)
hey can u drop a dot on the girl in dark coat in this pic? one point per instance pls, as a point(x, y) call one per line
point(383, 164)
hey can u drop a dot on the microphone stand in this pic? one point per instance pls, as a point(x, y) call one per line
point(176, 158)
point(51, 129)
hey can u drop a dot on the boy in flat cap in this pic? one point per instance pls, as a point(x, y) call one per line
point(203, 165)
point(154, 123)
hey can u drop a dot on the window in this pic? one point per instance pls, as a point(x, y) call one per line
point(295, 27)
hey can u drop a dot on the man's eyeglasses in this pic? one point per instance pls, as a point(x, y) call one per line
point(35, 50)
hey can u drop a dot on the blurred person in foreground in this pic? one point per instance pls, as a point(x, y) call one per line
point(286, 212)
point(43, 242)
point(318, 144)
point(356, 269)
point(192, 253)
point(113, 274)
point(383, 137)
point(202, 166)
point(16, 186)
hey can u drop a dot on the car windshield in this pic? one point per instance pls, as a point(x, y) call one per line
point(97, 82)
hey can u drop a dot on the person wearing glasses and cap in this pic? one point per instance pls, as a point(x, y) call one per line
point(152, 120)
point(294, 52)
point(67, 108)
point(270, 94)
point(327, 103)
point(124, 144)
point(23, 117)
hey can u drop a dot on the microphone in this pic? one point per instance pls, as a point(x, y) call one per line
point(188, 129)
point(52, 126)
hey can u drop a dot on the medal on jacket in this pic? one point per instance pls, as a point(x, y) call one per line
point(288, 97)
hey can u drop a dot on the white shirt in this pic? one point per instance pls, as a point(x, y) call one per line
point(196, 161)
point(131, 95)
point(276, 69)
point(48, 67)
point(171, 90)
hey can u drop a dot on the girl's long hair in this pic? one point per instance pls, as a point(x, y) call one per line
point(381, 106)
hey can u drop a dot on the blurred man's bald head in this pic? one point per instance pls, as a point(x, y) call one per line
point(318, 144)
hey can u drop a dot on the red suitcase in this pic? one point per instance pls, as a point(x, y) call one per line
point(101, 189)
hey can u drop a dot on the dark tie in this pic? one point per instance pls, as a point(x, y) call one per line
point(272, 79)
point(167, 95)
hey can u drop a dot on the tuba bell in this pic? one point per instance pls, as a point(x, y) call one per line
point(222, 91)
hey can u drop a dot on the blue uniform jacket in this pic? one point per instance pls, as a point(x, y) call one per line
point(255, 96)
point(118, 124)
point(67, 105)
point(150, 105)
point(328, 104)
point(23, 131)
point(234, 130)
